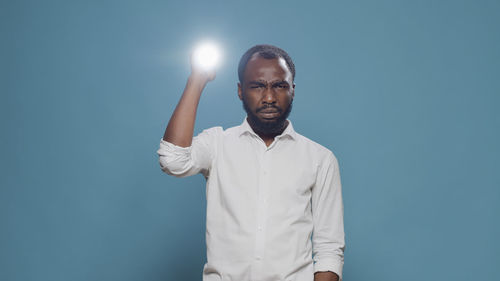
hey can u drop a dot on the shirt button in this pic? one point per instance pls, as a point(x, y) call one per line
point(259, 228)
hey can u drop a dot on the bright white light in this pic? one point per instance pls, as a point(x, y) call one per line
point(206, 56)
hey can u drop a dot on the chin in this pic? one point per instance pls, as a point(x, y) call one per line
point(268, 126)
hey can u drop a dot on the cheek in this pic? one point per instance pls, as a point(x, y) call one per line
point(252, 98)
point(251, 102)
point(286, 99)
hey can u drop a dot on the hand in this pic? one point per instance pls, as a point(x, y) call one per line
point(201, 74)
point(325, 276)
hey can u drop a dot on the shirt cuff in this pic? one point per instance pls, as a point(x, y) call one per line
point(329, 264)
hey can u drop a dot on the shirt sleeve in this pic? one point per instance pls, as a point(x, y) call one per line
point(187, 161)
point(328, 212)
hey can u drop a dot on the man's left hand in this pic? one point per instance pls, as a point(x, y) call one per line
point(326, 276)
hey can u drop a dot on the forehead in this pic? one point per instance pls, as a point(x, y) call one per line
point(259, 68)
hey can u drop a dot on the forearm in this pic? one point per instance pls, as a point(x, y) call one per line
point(180, 128)
point(326, 276)
point(328, 212)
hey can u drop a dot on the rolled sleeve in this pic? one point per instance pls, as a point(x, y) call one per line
point(187, 161)
point(328, 212)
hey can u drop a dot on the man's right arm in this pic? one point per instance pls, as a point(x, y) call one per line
point(180, 128)
point(179, 156)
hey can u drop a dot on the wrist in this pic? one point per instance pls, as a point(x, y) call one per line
point(197, 80)
point(201, 75)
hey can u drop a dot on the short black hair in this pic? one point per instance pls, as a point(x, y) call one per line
point(267, 52)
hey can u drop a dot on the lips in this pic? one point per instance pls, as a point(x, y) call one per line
point(269, 114)
point(269, 110)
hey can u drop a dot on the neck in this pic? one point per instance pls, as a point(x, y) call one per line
point(267, 137)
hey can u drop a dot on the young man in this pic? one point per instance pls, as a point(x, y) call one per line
point(269, 189)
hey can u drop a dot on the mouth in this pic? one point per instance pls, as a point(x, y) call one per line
point(269, 114)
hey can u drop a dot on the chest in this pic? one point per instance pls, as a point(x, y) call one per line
point(285, 169)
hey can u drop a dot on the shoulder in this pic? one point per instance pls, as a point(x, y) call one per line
point(212, 131)
point(217, 132)
point(232, 131)
point(322, 153)
point(208, 135)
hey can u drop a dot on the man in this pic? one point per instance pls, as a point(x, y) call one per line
point(269, 189)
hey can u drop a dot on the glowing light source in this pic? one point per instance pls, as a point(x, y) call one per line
point(206, 56)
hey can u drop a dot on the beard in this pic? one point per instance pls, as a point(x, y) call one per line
point(270, 127)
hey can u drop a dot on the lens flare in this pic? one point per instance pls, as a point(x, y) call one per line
point(206, 56)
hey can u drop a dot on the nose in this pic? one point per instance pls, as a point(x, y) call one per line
point(269, 95)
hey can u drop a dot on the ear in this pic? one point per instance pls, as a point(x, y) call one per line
point(240, 91)
point(293, 90)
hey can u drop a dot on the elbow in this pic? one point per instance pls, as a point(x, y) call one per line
point(169, 167)
point(174, 168)
point(166, 166)
point(175, 161)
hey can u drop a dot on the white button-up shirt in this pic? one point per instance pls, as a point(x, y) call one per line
point(264, 203)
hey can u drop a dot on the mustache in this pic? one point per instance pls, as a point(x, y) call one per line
point(269, 106)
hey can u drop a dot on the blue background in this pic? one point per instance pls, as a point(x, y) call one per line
point(405, 93)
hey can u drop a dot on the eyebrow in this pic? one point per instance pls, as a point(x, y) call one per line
point(256, 82)
point(282, 82)
point(261, 82)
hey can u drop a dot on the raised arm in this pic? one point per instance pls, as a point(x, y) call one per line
point(181, 154)
point(180, 128)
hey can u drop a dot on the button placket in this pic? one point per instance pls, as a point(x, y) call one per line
point(262, 210)
point(257, 266)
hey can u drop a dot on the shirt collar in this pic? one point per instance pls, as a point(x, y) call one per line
point(289, 131)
